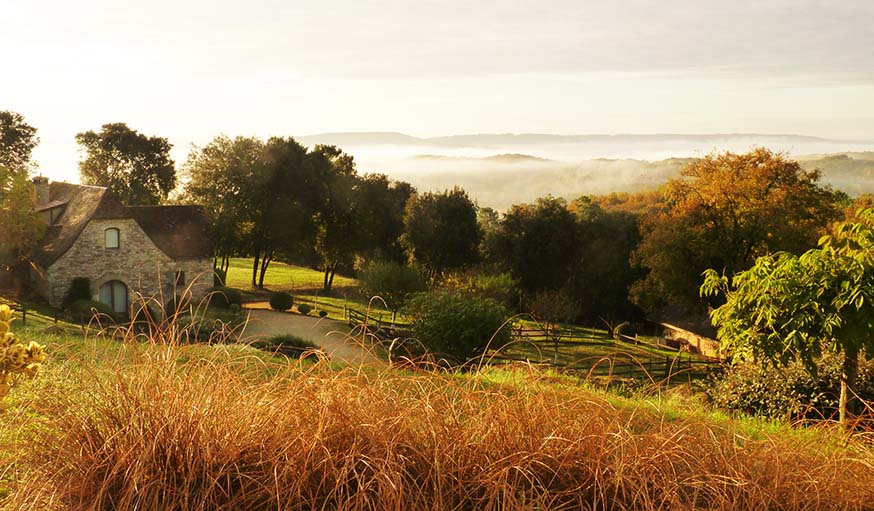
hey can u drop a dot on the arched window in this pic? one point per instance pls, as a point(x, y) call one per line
point(111, 237)
point(114, 294)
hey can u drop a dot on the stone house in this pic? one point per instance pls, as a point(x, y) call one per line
point(125, 251)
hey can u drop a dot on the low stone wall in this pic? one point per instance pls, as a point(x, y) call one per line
point(694, 342)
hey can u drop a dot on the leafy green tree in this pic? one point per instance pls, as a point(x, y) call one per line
point(537, 243)
point(787, 307)
point(379, 213)
point(441, 231)
point(722, 212)
point(220, 177)
point(17, 141)
point(393, 282)
point(603, 274)
point(263, 198)
point(338, 226)
point(20, 225)
point(137, 168)
point(290, 188)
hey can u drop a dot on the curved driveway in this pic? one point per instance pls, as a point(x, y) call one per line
point(330, 335)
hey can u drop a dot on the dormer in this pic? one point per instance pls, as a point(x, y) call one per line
point(49, 210)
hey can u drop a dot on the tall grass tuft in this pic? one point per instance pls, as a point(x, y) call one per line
point(162, 429)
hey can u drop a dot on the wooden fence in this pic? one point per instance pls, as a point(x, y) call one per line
point(619, 364)
point(378, 326)
point(622, 365)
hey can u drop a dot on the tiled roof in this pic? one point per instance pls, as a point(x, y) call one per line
point(179, 231)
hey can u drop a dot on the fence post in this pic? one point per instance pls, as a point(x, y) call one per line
point(23, 315)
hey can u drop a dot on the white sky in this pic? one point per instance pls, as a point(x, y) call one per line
point(188, 70)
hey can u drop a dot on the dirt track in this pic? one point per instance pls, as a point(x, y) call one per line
point(332, 336)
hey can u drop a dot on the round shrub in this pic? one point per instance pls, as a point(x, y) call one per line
point(281, 301)
point(304, 308)
point(80, 289)
point(790, 392)
point(323, 313)
point(224, 297)
point(81, 311)
point(460, 326)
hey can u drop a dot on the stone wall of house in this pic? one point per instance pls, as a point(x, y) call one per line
point(198, 276)
point(137, 262)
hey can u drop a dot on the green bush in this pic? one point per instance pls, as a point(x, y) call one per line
point(502, 288)
point(288, 345)
point(304, 308)
point(323, 313)
point(281, 301)
point(224, 297)
point(392, 282)
point(81, 311)
point(457, 325)
point(80, 289)
point(787, 393)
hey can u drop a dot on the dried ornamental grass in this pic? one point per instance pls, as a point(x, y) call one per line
point(209, 435)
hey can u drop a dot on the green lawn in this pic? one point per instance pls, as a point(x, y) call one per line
point(280, 277)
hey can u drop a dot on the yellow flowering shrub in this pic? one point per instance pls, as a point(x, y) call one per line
point(16, 359)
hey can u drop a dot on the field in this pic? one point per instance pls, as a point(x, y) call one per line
point(116, 424)
point(280, 277)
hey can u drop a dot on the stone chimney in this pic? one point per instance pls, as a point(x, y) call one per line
point(41, 187)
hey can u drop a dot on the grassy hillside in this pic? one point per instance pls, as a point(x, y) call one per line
point(118, 424)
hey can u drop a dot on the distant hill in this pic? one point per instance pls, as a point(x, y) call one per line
point(852, 173)
point(362, 138)
point(498, 158)
point(523, 139)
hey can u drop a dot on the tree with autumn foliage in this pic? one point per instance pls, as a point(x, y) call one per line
point(724, 211)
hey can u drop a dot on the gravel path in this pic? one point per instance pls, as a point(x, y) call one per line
point(330, 335)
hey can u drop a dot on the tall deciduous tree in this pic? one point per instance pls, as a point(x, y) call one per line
point(787, 307)
point(441, 231)
point(537, 243)
point(608, 235)
point(722, 212)
point(20, 226)
point(220, 177)
point(289, 191)
point(17, 141)
point(339, 236)
point(380, 204)
point(137, 168)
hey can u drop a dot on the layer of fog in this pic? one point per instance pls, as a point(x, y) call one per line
point(501, 170)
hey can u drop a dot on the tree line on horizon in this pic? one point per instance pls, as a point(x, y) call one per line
point(615, 257)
